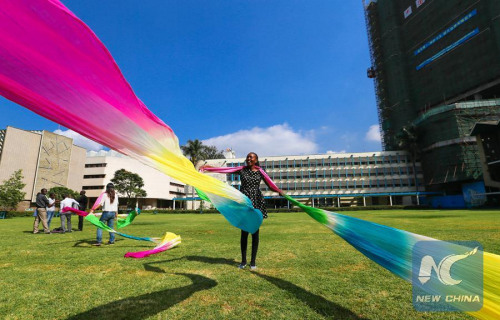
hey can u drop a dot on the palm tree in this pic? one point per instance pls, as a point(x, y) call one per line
point(193, 150)
point(196, 151)
point(406, 140)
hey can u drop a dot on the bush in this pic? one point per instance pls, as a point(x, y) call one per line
point(11, 214)
point(295, 209)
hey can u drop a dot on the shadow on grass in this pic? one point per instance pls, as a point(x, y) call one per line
point(317, 303)
point(148, 265)
point(212, 260)
point(89, 242)
point(149, 304)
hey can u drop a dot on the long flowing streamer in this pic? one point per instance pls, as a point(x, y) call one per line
point(54, 65)
point(169, 241)
point(101, 225)
point(122, 223)
point(389, 247)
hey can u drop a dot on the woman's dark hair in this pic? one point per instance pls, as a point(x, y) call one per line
point(110, 190)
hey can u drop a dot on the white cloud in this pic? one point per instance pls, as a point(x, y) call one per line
point(373, 133)
point(276, 140)
point(332, 151)
point(80, 140)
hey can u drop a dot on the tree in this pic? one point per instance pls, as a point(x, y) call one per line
point(129, 184)
point(60, 192)
point(195, 150)
point(11, 191)
point(211, 152)
point(407, 140)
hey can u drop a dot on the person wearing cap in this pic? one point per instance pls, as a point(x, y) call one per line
point(109, 203)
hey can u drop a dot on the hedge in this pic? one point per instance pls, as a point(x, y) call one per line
point(11, 214)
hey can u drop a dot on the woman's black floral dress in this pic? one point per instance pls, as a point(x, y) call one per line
point(250, 182)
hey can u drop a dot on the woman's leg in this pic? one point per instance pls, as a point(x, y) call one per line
point(111, 224)
point(244, 244)
point(63, 222)
point(255, 247)
point(50, 214)
point(99, 230)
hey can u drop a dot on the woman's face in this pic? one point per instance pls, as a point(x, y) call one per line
point(251, 159)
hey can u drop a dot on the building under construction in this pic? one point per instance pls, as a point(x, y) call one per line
point(436, 66)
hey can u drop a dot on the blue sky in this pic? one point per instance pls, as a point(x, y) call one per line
point(270, 76)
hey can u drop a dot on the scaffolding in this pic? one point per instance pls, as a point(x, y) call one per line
point(436, 67)
point(451, 154)
point(373, 29)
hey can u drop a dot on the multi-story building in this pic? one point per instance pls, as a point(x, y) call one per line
point(101, 166)
point(46, 159)
point(436, 66)
point(343, 179)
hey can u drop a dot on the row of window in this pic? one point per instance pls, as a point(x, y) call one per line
point(392, 183)
point(177, 193)
point(328, 162)
point(324, 174)
point(173, 184)
point(95, 165)
point(93, 176)
point(93, 187)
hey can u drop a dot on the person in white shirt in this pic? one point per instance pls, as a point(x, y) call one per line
point(109, 203)
point(51, 208)
point(66, 217)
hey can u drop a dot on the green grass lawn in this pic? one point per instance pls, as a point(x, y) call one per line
point(304, 270)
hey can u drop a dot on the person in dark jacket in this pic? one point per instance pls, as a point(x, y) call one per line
point(42, 202)
point(83, 202)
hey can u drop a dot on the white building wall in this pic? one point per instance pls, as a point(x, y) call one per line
point(47, 160)
point(106, 163)
point(342, 174)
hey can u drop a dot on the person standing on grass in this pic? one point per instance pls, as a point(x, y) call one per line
point(41, 208)
point(109, 203)
point(250, 186)
point(51, 208)
point(66, 217)
point(83, 201)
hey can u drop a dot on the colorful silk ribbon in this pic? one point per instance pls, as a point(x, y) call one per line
point(96, 222)
point(54, 65)
point(122, 223)
point(169, 241)
point(389, 247)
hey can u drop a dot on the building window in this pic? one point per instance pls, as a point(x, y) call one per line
point(95, 165)
point(176, 185)
point(93, 187)
point(93, 176)
point(177, 193)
